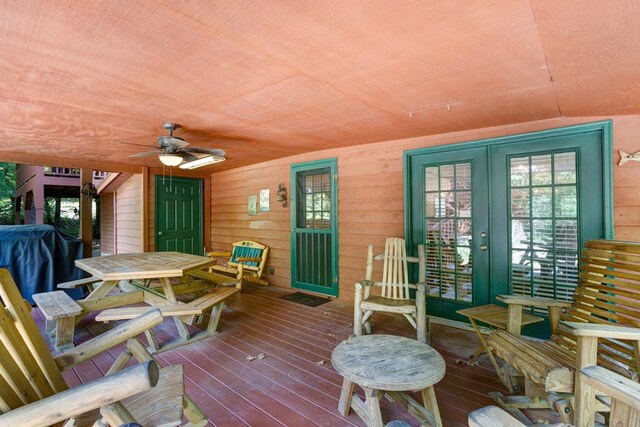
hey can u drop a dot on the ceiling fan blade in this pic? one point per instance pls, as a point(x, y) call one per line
point(214, 151)
point(134, 144)
point(171, 141)
point(146, 153)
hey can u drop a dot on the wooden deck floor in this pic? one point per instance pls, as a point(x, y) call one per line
point(294, 384)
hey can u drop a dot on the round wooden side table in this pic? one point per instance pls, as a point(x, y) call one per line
point(387, 364)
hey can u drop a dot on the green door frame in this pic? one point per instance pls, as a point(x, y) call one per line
point(157, 183)
point(605, 128)
point(332, 164)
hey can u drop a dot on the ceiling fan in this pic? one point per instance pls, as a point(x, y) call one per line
point(174, 151)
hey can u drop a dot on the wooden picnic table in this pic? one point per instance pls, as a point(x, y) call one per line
point(147, 266)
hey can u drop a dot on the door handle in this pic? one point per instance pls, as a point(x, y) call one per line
point(159, 233)
point(483, 247)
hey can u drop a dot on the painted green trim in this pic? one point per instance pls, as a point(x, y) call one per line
point(157, 183)
point(604, 126)
point(332, 164)
point(607, 160)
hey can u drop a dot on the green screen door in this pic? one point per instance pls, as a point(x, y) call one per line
point(314, 227)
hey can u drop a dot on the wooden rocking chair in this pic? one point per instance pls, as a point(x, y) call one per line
point(394, 297)
point(33, 391)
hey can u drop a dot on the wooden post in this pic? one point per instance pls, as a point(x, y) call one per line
point(584, 415)
point(86, 230)
point(421, 314)
point(514, 319)
point(38, 203)
point(357, 312)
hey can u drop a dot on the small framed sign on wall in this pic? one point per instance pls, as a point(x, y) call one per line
point(264, 200)
point(252, 205)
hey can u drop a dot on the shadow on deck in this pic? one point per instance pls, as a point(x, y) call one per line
point(295, 384)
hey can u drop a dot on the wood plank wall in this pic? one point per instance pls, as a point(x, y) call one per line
point(370, 196)
point(128, 219)
point(107, 243)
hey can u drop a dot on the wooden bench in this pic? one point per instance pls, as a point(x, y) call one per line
point(190, 313)
point(218, 279)
point(599, 327)
point(74, 284)
point(59, 310)
point(247, 255)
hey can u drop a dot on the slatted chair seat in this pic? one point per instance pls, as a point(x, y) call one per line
point(600, 326)
point(394, 290)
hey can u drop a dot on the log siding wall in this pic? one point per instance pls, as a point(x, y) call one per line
point(370, 196)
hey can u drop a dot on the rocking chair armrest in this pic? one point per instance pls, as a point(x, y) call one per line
point(380, 257)
point(601, 331)
point(532, 301)
point(217, 254)
point(364, 283)
point(614, 385)
point(86, 397)
point(115, 336)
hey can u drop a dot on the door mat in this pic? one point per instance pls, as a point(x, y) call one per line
point(306, 299)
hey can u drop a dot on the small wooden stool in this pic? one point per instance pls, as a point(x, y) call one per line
point(386, 364)
point(498, 317)
point(59, 310)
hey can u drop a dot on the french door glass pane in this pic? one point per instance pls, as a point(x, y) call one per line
point(544, 225)
point(449, 265)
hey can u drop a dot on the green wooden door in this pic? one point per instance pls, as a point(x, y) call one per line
point(534, 198)
point(449, 211)
point(549, 200)
point(178, 215)
point(314, 227)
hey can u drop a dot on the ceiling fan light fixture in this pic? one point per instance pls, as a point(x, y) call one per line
point(170, 159)
point(203, 161)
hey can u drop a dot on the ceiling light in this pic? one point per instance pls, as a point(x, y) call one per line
point(170, 159)
point(207, 160)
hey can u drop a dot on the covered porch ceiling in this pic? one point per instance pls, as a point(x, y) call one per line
point(94, 81)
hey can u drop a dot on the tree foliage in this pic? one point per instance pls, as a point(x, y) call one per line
point(7, 192)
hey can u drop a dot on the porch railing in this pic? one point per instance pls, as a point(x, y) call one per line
point(71, 172)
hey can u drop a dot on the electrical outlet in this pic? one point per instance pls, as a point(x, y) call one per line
point(272, 270)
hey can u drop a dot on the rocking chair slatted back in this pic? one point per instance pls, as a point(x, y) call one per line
point(395, 274)
point(608, 292)
point(28, 373)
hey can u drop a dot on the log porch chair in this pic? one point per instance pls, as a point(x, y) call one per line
point(394, 296)
point(34, 393)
